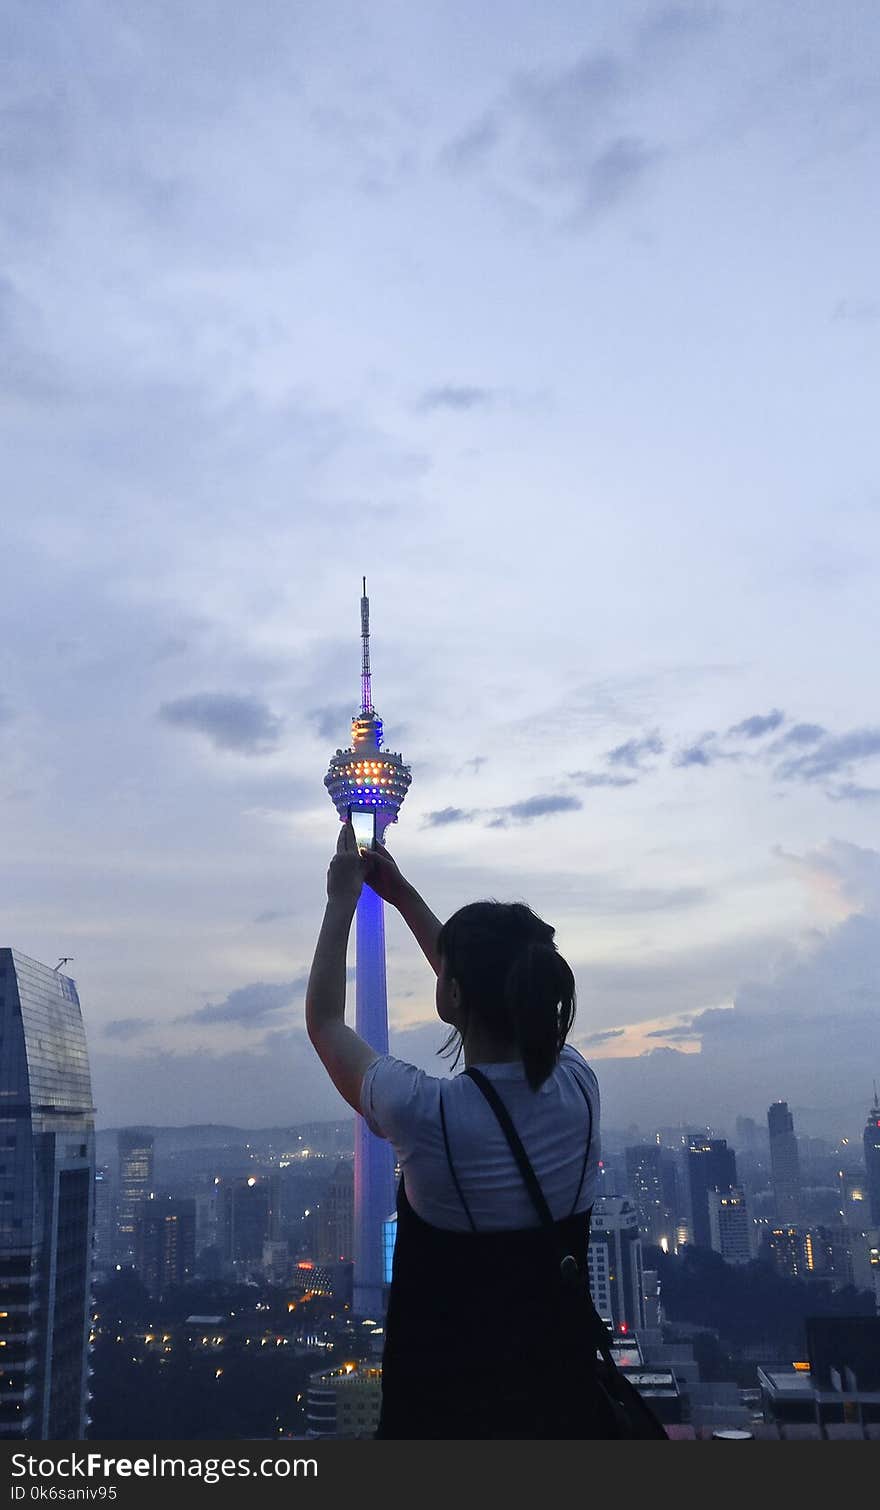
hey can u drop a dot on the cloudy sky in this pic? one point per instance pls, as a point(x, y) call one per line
point(561, 324)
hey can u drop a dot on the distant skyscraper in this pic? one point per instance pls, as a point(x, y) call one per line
point(368, 779)
point(614, 1263)
point(711, 1165)
point(646, 1184)
point(785, 1248)
point(47, 1173)
point(247, 1211)
point(785, 1169)
point(872, 1160)
point(675, 1197)
point(207, 1202)
point(335, 1225)
point(135, 1188)
point(167, 1244)
point(730, 1228)
point(105, 1221)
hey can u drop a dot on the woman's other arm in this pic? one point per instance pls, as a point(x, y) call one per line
point(382, 874)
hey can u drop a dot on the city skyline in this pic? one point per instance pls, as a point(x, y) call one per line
point(566, 338)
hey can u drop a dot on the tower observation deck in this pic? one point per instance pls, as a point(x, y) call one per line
point(368, 778)
point(365, 776)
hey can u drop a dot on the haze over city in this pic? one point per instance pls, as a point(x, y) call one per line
point(564, 331)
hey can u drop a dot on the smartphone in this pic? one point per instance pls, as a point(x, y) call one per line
point(364, 825)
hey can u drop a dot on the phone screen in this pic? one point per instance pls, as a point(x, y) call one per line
point(364, 825)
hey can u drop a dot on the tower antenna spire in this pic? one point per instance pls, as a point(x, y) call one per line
point(366, 676)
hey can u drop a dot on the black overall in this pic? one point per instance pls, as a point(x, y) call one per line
point(482, 1340)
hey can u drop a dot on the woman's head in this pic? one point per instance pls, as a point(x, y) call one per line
point(500, 970)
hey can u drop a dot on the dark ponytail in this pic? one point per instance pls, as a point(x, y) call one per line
point(540, 996)
point(513, 979)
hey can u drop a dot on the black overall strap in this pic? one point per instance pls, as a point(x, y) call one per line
point(569, 1263)
point(467, 1209)
point(516, 1148)
point(577, 1197)
point(515, 1143)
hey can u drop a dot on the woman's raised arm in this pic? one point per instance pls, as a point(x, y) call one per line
point(382, 874)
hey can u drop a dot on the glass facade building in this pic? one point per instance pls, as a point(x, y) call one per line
point(135, 1183)
point(47, 1177)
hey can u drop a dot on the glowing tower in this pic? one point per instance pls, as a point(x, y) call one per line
point(370, 779)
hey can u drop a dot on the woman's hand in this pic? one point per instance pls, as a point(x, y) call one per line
point(345, 877)
point(382, 875)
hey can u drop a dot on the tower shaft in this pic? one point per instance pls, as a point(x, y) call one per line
point(373, 1157)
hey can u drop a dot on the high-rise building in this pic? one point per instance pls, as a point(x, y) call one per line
point(247, 1218)
point(135, 1187)
point(167, 1245)
point(207, 1202)
point(675, 1199)
point(614, 1263)
point(105, 1221)
point(47, 1175)
point(648, 1188)
point(785, 1171)
point(784, 1247)
point(730, 1228)
point(367, 779)
point(711, 1165)
point(335, 1224)
point(872, 1160)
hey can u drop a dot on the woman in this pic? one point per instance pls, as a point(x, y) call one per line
point(484, 1338)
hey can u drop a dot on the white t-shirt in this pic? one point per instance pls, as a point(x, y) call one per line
point(402, 1103)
